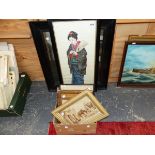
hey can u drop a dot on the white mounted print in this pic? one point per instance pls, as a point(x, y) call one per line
point(76, 47)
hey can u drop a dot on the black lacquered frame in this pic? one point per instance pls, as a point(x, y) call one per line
point(49, 59)
point(45, 54)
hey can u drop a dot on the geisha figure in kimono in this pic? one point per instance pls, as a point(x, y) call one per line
point(77, 58)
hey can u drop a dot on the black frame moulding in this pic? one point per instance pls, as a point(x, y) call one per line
point(45, 54)
point(107, 31)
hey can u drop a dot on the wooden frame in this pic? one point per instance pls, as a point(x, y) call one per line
point(45, 54)
point(135, 70)
point(103, 51)
point(92, 111)
point(76, 87)
point(66, 92)
point(135, 38)
point(64, 95)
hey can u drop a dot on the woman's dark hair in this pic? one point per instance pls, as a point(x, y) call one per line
point(73, 35)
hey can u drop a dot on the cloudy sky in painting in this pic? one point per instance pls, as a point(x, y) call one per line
point(140, 56)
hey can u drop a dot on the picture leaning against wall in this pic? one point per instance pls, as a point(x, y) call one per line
point(139, 65)
point(76, 49)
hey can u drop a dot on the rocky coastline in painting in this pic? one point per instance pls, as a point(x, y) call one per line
point(135, 76)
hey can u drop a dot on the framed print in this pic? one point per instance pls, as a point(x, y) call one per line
point(138, 65)
point(99, 36)
point(75, 43)
point(4, 46)
point(66, 92)
point(42, 40)
point(4, 69)
point(3, 101)
point(12, 62)
point(65, 95)
point(76, 87)
point(82, 109)
point(45, 42)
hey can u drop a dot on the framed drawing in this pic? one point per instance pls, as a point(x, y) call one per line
point(82, 109)
point(42, 40)
point(138, 65)
point(47, 51)
point(98, 36)
point(75, 43)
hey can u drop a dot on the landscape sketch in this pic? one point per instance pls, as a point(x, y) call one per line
point(139, 65)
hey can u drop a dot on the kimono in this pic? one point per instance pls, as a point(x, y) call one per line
point(77, 63)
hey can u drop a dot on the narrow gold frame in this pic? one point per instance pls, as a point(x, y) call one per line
point(141, 38)
point(96, 103)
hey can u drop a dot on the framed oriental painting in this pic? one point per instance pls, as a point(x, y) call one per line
point(82, 50)
point(138, 65)
point(93, 37)
point(76, 50)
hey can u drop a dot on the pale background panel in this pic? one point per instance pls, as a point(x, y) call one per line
point(86, 31)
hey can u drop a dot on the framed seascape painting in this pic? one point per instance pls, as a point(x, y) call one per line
point(138, 65)
point(75, 44)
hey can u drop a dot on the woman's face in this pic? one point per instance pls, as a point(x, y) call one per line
point(72, 40)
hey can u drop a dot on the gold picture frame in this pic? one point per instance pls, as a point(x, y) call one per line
point(82, 109)
point(65, 95)
point(141, 38)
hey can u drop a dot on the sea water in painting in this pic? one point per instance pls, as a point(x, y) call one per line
point(139, 66)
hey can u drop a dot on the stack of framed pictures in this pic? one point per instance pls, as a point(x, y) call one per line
point(7, 91)
point(74, 52)
point(75, 58)
point(12, 62)
point(18, 96)
point(13, 87)
point(77, 110)
point(9, 75)
point(84, 108)
point(138, 63)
